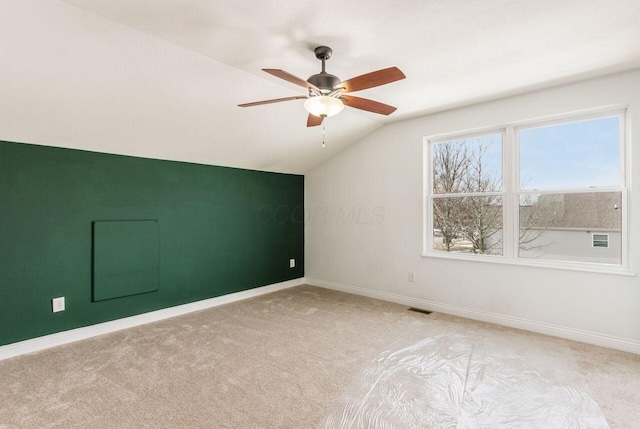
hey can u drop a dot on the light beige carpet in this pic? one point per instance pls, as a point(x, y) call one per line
point(307, 357)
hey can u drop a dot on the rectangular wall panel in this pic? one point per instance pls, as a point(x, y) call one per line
point(125, 258)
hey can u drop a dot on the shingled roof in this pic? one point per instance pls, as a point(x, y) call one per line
point(592, 210)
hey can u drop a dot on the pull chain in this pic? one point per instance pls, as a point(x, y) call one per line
point(323, 133)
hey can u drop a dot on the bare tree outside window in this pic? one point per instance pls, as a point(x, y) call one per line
point(567, 186)
point(450, 166)
point(471, 168)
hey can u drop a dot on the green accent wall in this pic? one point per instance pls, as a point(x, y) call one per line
point(221, 230)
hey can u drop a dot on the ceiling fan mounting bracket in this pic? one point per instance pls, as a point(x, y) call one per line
point(323, 52)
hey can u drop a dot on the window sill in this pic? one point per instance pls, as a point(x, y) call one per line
point(569, 266)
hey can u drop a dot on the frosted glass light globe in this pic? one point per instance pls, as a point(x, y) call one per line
point(323, 105)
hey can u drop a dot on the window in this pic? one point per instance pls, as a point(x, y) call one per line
point(467, 194)
point(600, 240)
point(548, 193)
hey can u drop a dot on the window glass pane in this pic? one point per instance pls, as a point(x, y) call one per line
point(573, 155)
point(468, 165)
point(567, 226)
point(468, 225)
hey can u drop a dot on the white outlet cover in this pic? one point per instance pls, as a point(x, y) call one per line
point(57, 304)
point(292, 263)
point(412, 276)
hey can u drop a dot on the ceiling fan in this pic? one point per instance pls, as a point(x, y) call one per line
point(328, 94)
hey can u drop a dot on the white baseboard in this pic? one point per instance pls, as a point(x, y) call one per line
point(484, 316)
point(40, 343)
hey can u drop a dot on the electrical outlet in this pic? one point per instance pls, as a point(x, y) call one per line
point(412, 276)
point(57, 304)
point(292, 263)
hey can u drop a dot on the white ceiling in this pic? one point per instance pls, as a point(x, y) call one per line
point(162, 78)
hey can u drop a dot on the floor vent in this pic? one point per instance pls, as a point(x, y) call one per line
point(417, 310)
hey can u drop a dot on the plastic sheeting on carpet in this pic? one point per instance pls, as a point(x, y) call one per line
point(441, 383)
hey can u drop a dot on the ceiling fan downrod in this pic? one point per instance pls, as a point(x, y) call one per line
point(324, 81)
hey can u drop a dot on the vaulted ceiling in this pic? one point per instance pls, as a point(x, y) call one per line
point(162, 78)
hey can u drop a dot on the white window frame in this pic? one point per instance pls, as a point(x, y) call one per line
point(511, 191)
point(431, 195)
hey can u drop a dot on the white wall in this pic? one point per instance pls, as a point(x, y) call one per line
point(364, 228)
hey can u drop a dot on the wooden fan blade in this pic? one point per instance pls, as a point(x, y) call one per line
point(275, 100)
point(371, 80)
point(290, 78)
point(368, 105)
point(314, 121)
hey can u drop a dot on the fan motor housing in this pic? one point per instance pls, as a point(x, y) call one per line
point(324, 81)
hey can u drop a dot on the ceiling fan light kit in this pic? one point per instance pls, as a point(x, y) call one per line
point(323, 105)
point(327, 94)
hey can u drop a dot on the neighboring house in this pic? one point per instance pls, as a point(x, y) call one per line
point(583, 227)
point(577, 227)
